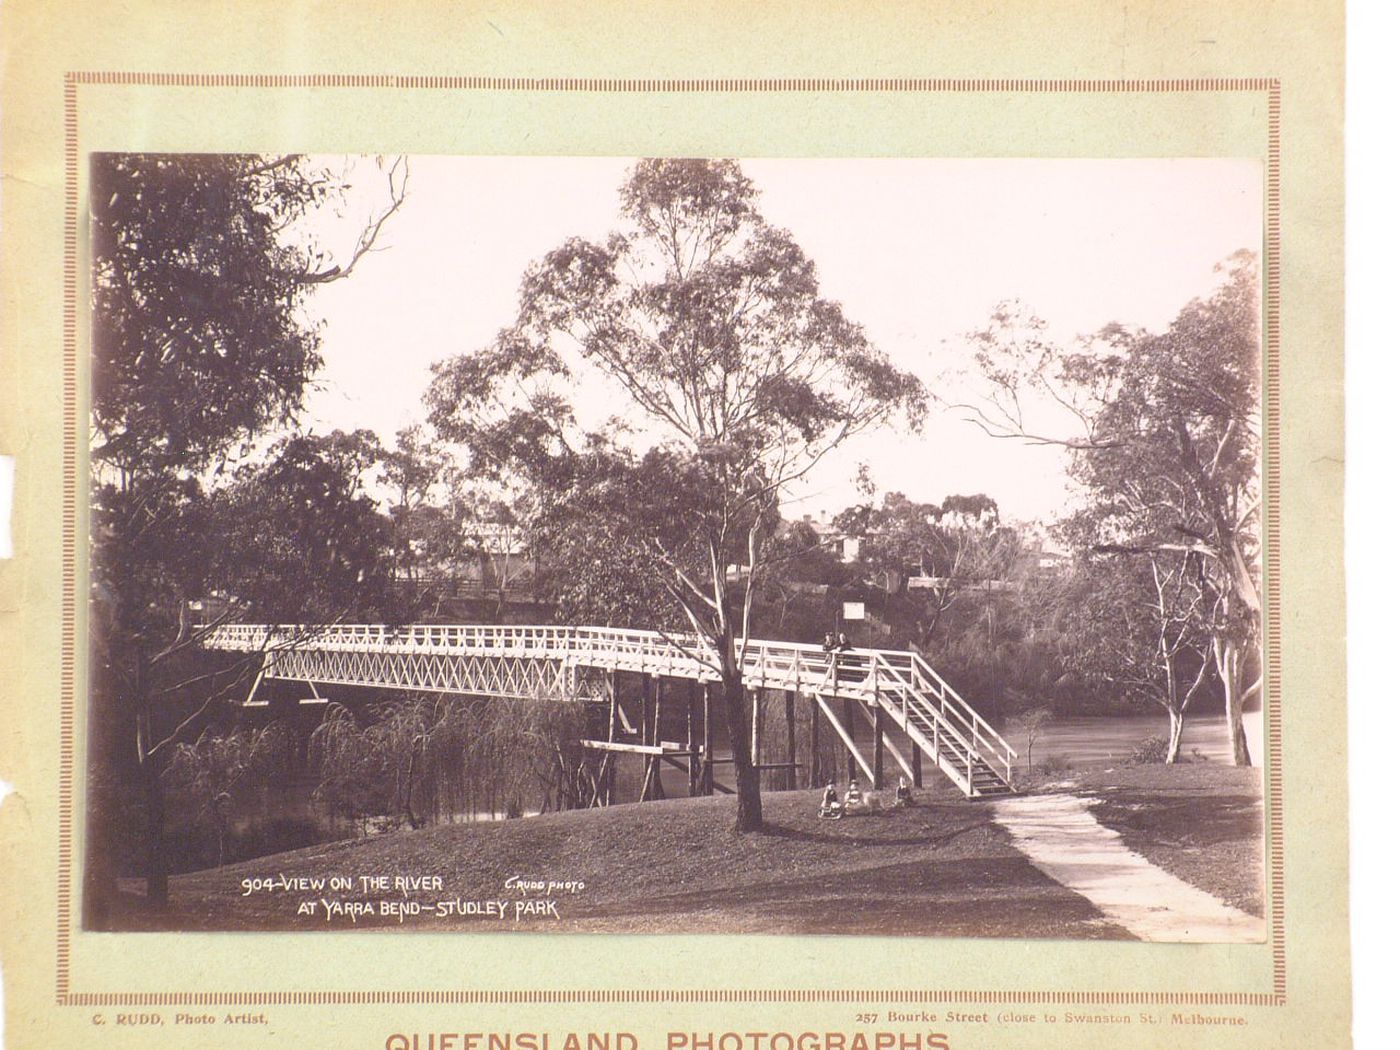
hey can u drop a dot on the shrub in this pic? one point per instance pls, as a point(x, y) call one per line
point(1056, 764)
point(276, 835)
point(1151, 751)
point(212, 779)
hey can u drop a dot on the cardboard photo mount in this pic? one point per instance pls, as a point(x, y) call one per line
point(1260, 81)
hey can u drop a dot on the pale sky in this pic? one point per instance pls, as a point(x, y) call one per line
point(917, 251)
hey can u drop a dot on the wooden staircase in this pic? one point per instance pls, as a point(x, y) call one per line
point(942, 725)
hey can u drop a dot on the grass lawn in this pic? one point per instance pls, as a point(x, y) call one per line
point(942, 868)
point(1202, 822)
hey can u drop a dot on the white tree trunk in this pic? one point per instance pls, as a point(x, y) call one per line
point(1229, 663)
point(1178, 722)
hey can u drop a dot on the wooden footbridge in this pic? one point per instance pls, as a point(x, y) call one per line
point(913, 715)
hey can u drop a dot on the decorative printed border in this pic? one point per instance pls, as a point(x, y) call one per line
point(1273, 482)
point(668, 995)
point(1273, 766)
point(68, 536)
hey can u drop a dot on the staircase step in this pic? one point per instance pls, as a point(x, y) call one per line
point(979, 777)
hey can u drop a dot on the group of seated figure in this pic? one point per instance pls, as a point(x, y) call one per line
point(856, 801)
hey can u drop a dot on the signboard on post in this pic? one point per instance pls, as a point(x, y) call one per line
point(853, 610)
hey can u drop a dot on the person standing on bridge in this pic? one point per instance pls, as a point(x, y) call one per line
point(829, 645)
point(839, 662)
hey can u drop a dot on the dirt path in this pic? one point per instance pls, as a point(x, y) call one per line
point(1059, 835)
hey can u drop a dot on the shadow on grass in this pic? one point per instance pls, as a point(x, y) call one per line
point(977, 897)
point(834, 838)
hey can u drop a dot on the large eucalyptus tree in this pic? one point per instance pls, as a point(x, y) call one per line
point(676, 379)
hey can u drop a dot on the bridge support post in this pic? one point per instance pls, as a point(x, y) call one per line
point(814, 767)
point(609, 770)
point(757, 695)
point(648, 729)
point(708, 774)
point(849, 711)
point(879, 728)
point(658, 691)
point(693, 761)
point(917, 761)
point(789, 712)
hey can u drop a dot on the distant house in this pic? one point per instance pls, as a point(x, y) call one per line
point(1042, 556)
point(842, 545)
point(504, 559)
point(940, 583)
point(850, 548)
point(492, 558)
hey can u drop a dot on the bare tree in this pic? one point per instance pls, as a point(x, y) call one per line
point(1164, 433)
point(1032, 723)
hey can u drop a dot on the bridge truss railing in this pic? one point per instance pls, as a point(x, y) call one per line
point(901, 682)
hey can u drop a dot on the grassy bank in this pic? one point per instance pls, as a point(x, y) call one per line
point(1204, 823)
point(942, 868)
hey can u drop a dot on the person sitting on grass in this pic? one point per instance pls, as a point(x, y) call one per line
point(831, 805)
point(903, 797)
point(854, 795)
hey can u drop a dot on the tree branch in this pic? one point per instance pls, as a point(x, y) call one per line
point(368, 237)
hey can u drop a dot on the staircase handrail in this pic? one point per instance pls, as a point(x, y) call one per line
point(880, 674)
point(909, 689)
point(991, 742)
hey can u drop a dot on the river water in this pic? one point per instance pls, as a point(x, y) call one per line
point(1079, 740)
point(1112, 739)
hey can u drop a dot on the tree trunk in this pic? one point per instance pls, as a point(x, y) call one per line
point(1177, 721)
point(413, 821)
point(749, 816)
point(157, 864)
point(107, 738)
point(1229, 663)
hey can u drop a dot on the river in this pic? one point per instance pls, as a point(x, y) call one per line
point(1079, 740)
point(1111, 739)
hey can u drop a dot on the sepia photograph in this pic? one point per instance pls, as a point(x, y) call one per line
point(675, 545)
